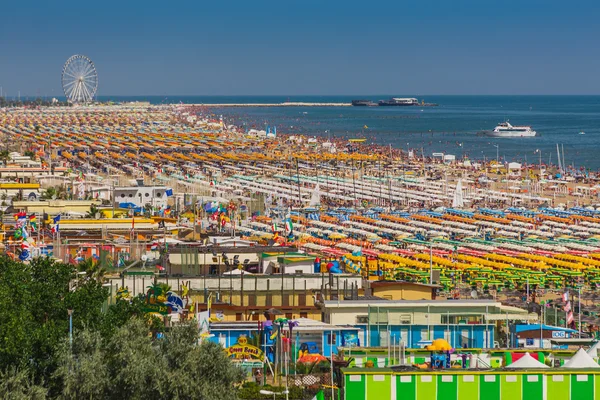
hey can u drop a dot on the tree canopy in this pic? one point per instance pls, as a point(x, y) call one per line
point(113, 353)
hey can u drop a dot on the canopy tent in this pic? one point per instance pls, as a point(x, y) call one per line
point(458, 201)
point(527, 362)
point(593, 351)
point(581, 359)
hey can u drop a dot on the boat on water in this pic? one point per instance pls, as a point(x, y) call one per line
point(363, 103)
point(505, 129)
point(399, 101)
point(582, 133)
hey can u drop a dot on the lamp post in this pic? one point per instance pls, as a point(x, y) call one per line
point(70, 312)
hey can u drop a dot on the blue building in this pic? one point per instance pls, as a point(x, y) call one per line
point(463, 323)
point(324, 338)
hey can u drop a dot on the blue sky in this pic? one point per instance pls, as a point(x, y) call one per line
point(305, 47)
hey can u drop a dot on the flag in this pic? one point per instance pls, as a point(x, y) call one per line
point(565, 296)
point(56, 227)
point(288, 226)
point(169, 192)
point(274, 227)
point(33, 222)
point(568, 306)
point(570, 318)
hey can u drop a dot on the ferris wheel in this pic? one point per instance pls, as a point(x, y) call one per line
point(79, 79)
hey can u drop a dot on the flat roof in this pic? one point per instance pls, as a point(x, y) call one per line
point(395, 283)
point(304, 324)
point(391, 303)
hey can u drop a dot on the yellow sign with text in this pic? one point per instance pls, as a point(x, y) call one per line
point(243, 350)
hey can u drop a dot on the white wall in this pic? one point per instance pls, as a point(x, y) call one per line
point(142, 195)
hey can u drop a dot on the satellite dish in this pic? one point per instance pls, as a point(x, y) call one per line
point(474, 294)
point(144, 257)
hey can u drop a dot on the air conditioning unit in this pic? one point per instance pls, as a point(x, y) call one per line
point(362, 319)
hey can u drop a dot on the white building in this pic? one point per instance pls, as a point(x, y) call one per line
point(156, 196)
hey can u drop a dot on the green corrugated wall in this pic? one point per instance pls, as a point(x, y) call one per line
point(476, 386)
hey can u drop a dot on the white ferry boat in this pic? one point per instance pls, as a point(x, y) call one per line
point(505, 129)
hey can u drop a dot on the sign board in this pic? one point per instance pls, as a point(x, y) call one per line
point(243, 350)
point(559, 334)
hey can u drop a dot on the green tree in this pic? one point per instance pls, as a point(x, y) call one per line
point(34, 299)
point(197, 372)
point(94, 212)
point(17, 384)
point(49, 193)
point(92, 269)
point(131, 364)
point(82, 372)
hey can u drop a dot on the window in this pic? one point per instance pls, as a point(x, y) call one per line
point(130, 194)
point(146, 194)
point(158, 194)
point(252, 300)
point(255, 317)
point(303, 315)
point(269, 300)
point(302, 299)
point(285, 300)
point(289, 315)
point(331, 338)
point(122, 194)
point(238, 316)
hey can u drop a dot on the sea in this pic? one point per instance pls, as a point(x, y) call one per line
point(451, 127)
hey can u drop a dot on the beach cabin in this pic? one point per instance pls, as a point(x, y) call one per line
point(514, 170)
point(536, 383)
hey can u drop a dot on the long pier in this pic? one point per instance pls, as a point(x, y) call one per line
point(285, 104)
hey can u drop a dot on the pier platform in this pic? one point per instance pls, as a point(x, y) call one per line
point(285, 104)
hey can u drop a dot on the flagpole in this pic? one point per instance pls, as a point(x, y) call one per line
point(579, 307)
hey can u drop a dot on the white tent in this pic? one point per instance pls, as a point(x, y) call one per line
point(315, 198)
point(527, 362)
point(457, 201)
point(581, 359)
point(514, 165)
point(593, 351)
